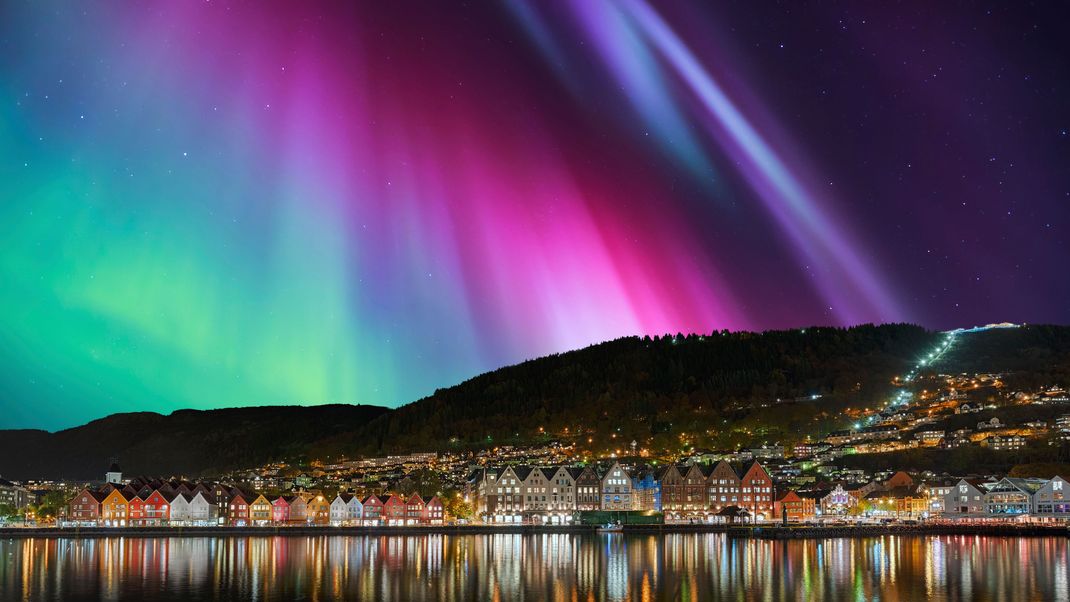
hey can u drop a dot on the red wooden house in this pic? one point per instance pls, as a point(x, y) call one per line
point(238, 509)
point(373, 511)
point(280, 510)
point(414, 510)
point(433, 512)
point(135, 508)
point(157, 510)
point(757, 492)
point(394, 511)
point(84, 508)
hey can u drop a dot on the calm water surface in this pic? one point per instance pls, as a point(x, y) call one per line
point(536, 567)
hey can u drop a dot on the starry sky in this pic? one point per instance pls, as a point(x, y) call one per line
point(215, 204)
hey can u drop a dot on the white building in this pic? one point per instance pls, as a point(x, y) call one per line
point(617, 489)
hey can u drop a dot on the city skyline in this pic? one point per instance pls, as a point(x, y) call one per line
point(219, 205)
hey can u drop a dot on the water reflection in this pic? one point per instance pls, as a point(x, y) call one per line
point(536, 567)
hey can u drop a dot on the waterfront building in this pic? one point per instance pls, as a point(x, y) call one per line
point(280, 510)
point(433, 512)
point(588, 488)
point(113, 509)
point(238, 508)
point(757, 492)
point(414, 509)
point(672, 490)
point(318, 510)
point(647, 490)
point(561, 497)
point(1011, 496)
point(617, 489)
point(260, 511)
point(795, 507)
point(394, 511)
point(84, 507)
point(203, 509)
point(346, 510)
point(966, 498)
point(298, 510)
point(372, 511)
point(839, 500)
point(179, 508)
point(156, 509)
point(1052, 499)
point(724, 488)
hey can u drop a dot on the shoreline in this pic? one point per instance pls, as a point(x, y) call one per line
point(735, 532)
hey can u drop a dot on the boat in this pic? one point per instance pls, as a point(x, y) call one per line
point(611, 528)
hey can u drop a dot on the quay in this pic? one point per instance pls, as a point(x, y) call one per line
point(773, 532)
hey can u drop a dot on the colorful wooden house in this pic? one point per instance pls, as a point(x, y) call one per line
point(238, 509)
point(319, 511)
point(280, 510)
point(260, 511)
point(394, 511)
point(156, 509)
point(414, 510)
point(373, 511)
point(433, 513)
point(795, 507)
point(114, 509)
point(298, 509)
point(84, 507)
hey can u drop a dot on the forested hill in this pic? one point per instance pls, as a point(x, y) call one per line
point(660, 390)
point(720, 389)
point(190, 442)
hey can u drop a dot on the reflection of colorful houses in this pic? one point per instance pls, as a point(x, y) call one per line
point(394, 511)
point(373, 511)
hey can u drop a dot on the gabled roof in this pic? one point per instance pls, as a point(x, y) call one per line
point(522, 472)
point(372, 499)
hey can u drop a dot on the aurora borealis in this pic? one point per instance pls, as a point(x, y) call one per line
point(213, 204)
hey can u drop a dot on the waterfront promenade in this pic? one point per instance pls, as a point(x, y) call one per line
point(734, 531)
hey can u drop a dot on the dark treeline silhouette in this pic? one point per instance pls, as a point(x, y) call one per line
point(663, 383)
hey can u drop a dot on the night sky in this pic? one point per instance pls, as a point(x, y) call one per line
point(212, 204)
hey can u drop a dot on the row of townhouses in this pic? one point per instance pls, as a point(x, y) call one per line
point(554, 494)
point(145, 502)
point(900, 497)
